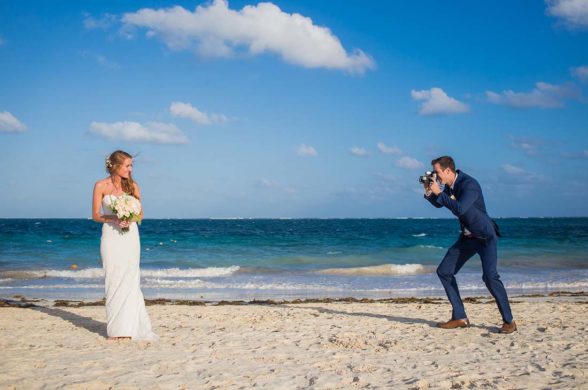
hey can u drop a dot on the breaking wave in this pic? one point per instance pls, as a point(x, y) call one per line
point(384, 269)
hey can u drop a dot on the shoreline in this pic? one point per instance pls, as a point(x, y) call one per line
point(24, 302)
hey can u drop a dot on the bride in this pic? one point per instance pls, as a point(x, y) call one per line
point(120, 249)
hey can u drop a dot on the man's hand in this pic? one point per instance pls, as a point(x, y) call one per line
point(434, 187)
point(428, 191)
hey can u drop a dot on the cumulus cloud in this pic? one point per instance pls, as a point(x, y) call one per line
point(544, 95)
point(186, 110)
point(572, 13)
point(214, 30)
point(306, 150)
point(102, 23)
point(357, 151)
point(156, 132)
point(382, 147)
point(581, 73)
point(9, 123)
point(409, 163)
point(436, 101)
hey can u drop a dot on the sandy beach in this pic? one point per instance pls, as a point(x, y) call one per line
point(319, 345)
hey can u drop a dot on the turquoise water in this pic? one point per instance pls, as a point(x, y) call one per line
point(267, 258)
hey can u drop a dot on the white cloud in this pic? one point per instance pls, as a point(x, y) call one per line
point(581, 73)
point(520, 175)
point(513, 170)
point(576, 155)
point(572, 13)
point(306, 150)
point(382, 147)
point(527, 145)
point(103, 23)
point(388, 178)
point(436, 101)
point(214, 30)
point(156, 132)
point(9, 123)
point(186, 110)
point(409, 163)
point(274, 185)
point(100, 59)
point(357, 151)
point(544, 95)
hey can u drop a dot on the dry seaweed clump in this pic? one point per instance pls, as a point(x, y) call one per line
point(68, 303)
point(177, 302)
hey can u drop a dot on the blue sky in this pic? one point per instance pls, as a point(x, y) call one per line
point(293, 108)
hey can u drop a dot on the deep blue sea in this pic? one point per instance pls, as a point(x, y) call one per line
point(284, 259)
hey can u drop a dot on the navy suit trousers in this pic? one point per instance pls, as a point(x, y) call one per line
point(456, 257)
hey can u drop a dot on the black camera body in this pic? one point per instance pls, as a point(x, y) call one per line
point(428, 178)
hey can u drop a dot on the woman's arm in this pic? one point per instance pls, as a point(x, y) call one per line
point(97, 202)
point(138, 196)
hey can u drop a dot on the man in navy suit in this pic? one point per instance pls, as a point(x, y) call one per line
point(462, 195)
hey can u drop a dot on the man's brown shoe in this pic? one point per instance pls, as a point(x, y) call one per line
point(508, 328)
point(453, 324)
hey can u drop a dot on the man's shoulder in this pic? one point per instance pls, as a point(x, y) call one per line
point(464, 179)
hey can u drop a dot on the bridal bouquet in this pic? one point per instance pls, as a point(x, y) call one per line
point(127, 208)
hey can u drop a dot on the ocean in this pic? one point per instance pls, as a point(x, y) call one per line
point(246, 259)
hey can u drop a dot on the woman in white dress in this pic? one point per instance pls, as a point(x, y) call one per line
point(121, 252)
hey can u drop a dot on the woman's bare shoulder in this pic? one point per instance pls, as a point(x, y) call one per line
point(102, 183)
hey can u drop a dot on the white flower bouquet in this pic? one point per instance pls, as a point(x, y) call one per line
point(127, 208)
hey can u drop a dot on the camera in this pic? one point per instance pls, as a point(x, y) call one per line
point(428, 178)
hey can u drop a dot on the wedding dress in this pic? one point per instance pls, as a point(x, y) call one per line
point(125, 306)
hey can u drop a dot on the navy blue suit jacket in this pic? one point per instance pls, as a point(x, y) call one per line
point(468, 206)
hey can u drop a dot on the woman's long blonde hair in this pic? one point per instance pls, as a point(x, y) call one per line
point(113, 162)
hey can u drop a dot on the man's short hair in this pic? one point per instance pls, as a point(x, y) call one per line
point(444, 162)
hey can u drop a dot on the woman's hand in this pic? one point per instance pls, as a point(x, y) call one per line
point(123, 224)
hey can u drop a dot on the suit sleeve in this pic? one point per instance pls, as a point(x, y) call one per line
point(433, 200)
point(468, 196)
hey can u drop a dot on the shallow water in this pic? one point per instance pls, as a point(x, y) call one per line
point(270, 258)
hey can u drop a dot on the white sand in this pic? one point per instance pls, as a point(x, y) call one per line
point(322, 346)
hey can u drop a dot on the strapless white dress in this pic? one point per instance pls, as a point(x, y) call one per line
point(125, 306)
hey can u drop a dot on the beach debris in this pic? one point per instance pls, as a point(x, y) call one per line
point(69, 303)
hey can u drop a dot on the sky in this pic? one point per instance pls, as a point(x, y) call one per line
point(293, 109)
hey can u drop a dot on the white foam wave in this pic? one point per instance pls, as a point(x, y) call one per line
point(209, 272)
point(430, 247)
point(54, 287)
point(419, 235)
point(549, 285)
point(384, 269)
point(97, 273)
point(88, 273)
point(417, 290)
point(197, 283)
point(5, 280)
point(173, 283)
